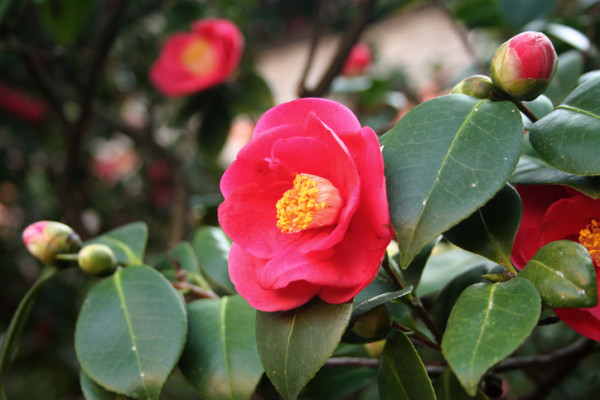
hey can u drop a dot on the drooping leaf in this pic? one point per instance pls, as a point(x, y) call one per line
point(491, 230)
point(488, 322)
point(136, 317)
point(212, 248)
point(445, 159)
point(127, 242)
point(220, 358)
point(570, 66)
point(564, 275)
point(569, 137)
point(402, 375)
point(283, 339)
point(447, 387)
point(532, 172)
point(412, 274)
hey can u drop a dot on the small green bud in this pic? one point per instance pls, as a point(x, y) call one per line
point(97, 259)
point(478, 86)
point(47, 239)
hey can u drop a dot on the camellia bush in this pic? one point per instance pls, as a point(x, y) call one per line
point(452, 256)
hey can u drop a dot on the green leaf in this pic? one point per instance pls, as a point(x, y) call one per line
point(520, 12)
point(220, 358)
point(338, 383)
point(216, 122)
point(92, 391)
point(402, 375)
point(212, 248)
point(570, 66)
point(251, 95)
point(444, 160)
point(283, 339)
point(369, 304)
point(65, 19)
point(532, 172)
point(488, 323)
point(183, 253)
point(491, 230)
point(540, 107)
point(447, 387)
point(137, 318)
point(569, 137)
point(477, 13)
point(127, 242)
point(412, 274)
point(564, 274)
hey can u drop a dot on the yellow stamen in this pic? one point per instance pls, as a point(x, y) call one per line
point(311, 203)
point(199, 57)
point(589, 237)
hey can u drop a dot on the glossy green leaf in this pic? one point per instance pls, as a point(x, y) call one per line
point(251, 95)
point(283, 339)
point(137, 318)
point(569, 35)
point(534, 172)
point(488, 323)
point(520, 12)
point(412, 274)
point(570, 66)
point(369, 304)
point(127, 242)
point(402, 375)
point(92, 391)
point(212, 248)
point(447, 387)
point(445, 159)
point(569, 137)
point(477, 13)
point(491, 230)
point(564, 275)
point(540, 107)
point(338, 382)
point(220, 358)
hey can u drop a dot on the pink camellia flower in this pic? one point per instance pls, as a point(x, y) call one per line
point(552, 213)
point(306, 207)
point(205, 57)
point(46, 239)
point(524, 65)
point(21, 105)
point(358, 61)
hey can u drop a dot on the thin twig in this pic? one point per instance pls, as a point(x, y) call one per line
point(197, 291)
point(417, 336)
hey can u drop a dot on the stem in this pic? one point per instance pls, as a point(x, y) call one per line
point(525, 110)
point(19, 320)
point(417, 336)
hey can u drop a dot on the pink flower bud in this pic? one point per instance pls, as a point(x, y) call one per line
point(46, 239)
point(194, 61)
point(358, 61)
point(479, 86)
point(524, 65)
point(97, 259)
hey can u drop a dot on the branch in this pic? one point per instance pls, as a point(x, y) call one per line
point(346, 43)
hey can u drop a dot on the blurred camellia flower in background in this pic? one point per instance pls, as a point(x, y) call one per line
point(552, 213)
point(205, 57)
point(306, 207)
point(21, 105)
point(113, 159)
point(359, 60)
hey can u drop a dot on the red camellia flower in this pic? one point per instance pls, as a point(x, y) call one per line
point(306, 207)
point(358, 60)
point(524, 65)
point(21, 105)
point(205, 57)
point(552, 213)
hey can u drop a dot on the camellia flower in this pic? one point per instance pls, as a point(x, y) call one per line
point(306, 207)
point(205, 57)
point(524, 65)
point(21, 105)
point(46, 239)
point(552, 213)
point(358, 61)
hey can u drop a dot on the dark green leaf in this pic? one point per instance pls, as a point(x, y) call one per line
point(402, 375)
point(540, 107)
point(220, 358)
point(532, 172)
point(283, 339)
point(65, 19)
point(477, 13)
point(92, 391)
point(570, 66)
point(183, 253)
point(251, 95)
point(412, 274)
point(520, 12)
point(212, 248)
point(447, 387)
point(216, 122)
point(369, 304)
point(137, 318)
point(338, 382)
point(568, 35)
point(564, 275)
point(569, 137)
point(488, 323)
point(444, 160)
point(127, 242)
point(491, 230)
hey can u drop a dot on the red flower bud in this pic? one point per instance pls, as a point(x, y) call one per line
point(97, 259)
point(478, 86)
point(46, 239)
point(358, 61)
point(524, 65)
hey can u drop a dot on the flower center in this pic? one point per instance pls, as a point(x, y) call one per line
point(199, 57)
point(312, 202)
point(589, 237)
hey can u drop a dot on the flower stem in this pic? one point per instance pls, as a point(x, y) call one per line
point(526, 110)
point(18, 322)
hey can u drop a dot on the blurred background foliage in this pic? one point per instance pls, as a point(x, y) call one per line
point(85, 139)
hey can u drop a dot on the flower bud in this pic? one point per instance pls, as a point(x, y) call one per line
point(358, 61)
point(479, 86)
point(524, 65)
point(46, 239)
point(97, 259)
